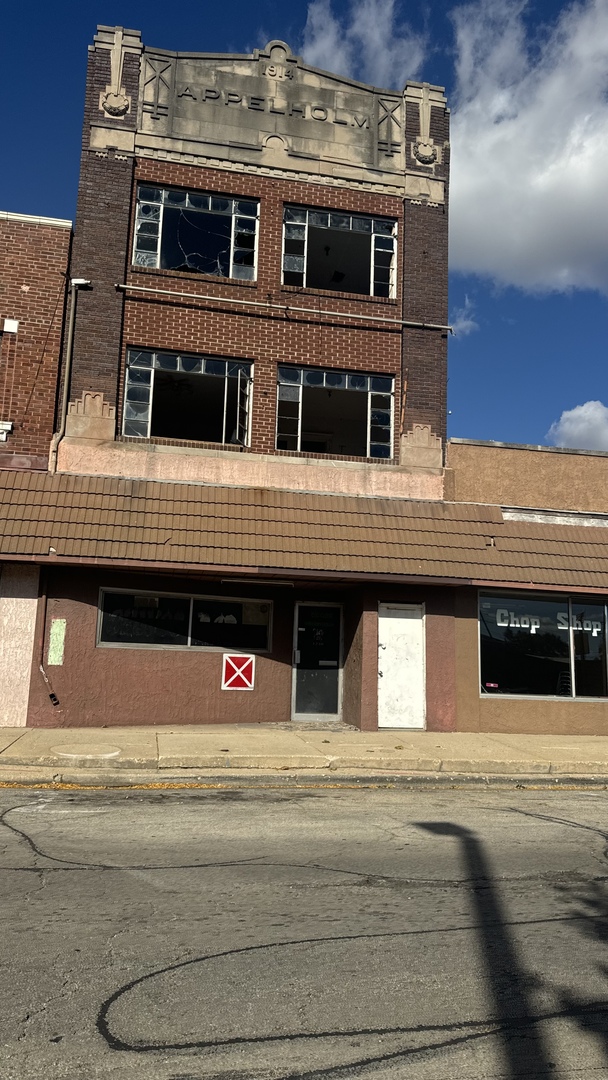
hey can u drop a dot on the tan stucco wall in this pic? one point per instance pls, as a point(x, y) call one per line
point(529, 476)
point(186, 464)
point(18, 606)
point(512, 715)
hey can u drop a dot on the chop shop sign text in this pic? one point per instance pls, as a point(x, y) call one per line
point(532, 623)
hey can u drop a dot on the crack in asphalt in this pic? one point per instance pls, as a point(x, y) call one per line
point(590, 1014)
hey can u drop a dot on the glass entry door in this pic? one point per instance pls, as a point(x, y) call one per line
point(317, 668)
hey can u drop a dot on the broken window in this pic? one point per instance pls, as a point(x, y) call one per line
point(197, 233)
point(212, 622)
point(335, 412)
point(349, 252)
point(179, 396)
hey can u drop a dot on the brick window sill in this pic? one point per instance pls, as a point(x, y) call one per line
point(184, 444)
point(190, 444)
point(335, 294)
point(182, 275)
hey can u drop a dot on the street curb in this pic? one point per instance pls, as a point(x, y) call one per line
point(192, 779)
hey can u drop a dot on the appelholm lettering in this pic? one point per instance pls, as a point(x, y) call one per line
point(300, 110)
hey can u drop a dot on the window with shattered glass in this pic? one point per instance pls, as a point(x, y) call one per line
point(344, 414)
point(347, 252)
point(196, 233)
point(181, 396)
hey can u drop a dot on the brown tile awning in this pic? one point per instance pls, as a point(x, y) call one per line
point(141, 523)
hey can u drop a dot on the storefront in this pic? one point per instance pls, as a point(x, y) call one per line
point(532, 662)
point(117, 648)
point(542, 646)
point(194, 604)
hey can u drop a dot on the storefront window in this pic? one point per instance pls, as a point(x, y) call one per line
point(588, 632)
point(543, 647)
point(129, 619)
point(525, 646)
point(140, 620)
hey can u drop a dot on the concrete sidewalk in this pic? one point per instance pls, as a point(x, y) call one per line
point(160, 755)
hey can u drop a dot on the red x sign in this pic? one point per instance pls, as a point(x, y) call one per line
point(238, 672)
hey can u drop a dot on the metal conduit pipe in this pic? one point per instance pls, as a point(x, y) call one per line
point(75, 285)
point(285, 308)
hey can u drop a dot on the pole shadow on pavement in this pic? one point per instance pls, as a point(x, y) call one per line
point(523, 1047)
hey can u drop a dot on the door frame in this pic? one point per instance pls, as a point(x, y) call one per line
point(396, 606)
point(330, 718)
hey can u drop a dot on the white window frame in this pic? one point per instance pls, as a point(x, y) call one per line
point(373, 246)
point(100, 644)
point(244, 379)
point(299, 386)
point(152, 259)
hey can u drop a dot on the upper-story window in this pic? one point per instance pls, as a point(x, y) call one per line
point(348, 252)
point(180, 396)
point(345, 414)
point(196, 233)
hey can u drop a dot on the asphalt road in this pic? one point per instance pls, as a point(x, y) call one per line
point(305, 935)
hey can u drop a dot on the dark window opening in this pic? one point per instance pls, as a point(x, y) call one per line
point(196, 233)
point(334, 412)
point(145, 620)
point(333, 422)
point(196, 241)
point(338, 260)
point(226, 625)
point(194, 398)
point(196, 407)
point(344, 252)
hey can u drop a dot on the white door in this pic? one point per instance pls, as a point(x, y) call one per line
point(401, 674)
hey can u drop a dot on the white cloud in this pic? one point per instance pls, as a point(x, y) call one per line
point(530, 146)
point(462, 320)
point(585, 427)
point(369, 43)
point(529, 129)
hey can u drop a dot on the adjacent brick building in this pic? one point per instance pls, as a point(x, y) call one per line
point(34, 257)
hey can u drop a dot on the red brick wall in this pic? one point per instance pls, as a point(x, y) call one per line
point(33, 274)
point(267, 338)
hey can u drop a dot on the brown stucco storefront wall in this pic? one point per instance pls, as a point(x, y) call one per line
point(511, 715)
point(132, 686)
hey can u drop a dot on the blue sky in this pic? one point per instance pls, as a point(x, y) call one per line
point(528, 86)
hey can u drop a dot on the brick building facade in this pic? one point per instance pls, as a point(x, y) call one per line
point(306, 144)
point(250, 468)
point(266, 246)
